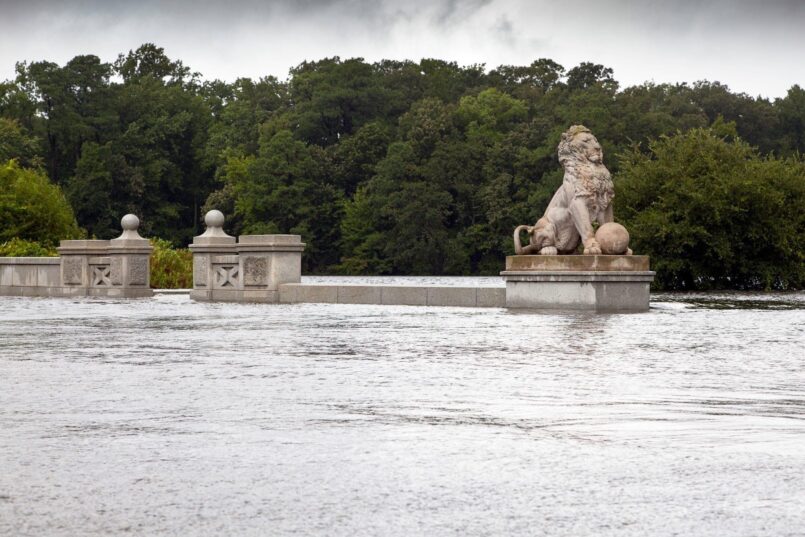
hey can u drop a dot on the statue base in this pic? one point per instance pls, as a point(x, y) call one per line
point(605, 283)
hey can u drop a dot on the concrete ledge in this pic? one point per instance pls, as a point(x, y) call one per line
point(452, 296)
point(172, 291)
point(404, 296)
point(585, 263)
point(233, 295)
point(578, 276)
point(360, 294)
point(58, 291)
point(491, 297)
point(30, 260)
point(398, 295)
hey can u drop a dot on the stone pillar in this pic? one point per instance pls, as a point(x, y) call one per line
point(266, 262)
point(250, 270)
point(116, 268)
point(606, 283)
point(83, 262)
point(129, 262)
point(215, 263)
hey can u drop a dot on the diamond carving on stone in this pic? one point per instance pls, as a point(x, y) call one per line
point(226, 276)
point(100, 276)
point(71, 270)
point(138, 270)
point(255, 270)
point(200, 270)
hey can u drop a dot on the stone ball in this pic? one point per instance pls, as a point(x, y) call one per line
point(612, 238)
point(130, 222)
point(214, 218)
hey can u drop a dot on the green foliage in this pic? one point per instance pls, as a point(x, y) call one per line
point(17, 247)
point(136, 146)
point(171, 268)
point(283, 189)
point(32, 208)
point(389, 167)
point(713, 214)
point(16, 144)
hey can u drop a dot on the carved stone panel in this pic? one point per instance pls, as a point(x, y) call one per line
point(138, 270)
point(200, 271)
point(71, 270)
point(255, 270)
point(116, 270)
point(100, 276)
point(226, 276)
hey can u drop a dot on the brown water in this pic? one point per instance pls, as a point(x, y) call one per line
point(164, 416)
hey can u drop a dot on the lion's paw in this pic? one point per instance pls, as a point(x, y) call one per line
point(592, 249)
point(549, 250)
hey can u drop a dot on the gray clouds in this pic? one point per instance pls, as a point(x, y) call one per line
point(752, 46)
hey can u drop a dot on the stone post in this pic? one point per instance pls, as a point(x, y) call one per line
point(116, 268)
point(266, 262)
point(250, 270)
point(215, 264)
point(82, 263)
point(129, 262)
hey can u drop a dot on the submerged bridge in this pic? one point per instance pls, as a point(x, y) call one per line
point(267, 268)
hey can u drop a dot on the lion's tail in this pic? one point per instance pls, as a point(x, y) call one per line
point(518, 249)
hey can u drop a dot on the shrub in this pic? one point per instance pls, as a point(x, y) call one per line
point(171, 268)
point(714, 214)
point(21, 248)
point(32, 208)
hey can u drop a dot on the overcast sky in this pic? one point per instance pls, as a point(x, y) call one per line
point(752, 46)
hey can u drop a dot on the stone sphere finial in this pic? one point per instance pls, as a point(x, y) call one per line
point(214, 218)
point(613, 239)
point(130, 222)
point(214, 234)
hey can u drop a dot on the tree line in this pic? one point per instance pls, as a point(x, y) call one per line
point(402, 167)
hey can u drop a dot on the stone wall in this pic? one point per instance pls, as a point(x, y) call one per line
point(116, 268)
point(30, 276)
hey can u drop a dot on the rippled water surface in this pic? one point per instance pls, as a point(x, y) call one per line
point(164, 416)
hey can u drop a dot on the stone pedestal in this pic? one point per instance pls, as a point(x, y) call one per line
point(215, 263)
point(249, 270)
point(116, 268)
point(606, 283)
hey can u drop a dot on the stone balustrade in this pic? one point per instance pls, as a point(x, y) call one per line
point(268, 268)
point(109, 268)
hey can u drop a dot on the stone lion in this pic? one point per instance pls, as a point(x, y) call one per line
point(585, 197)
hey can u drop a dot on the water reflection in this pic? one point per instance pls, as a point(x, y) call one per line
point(169, 417)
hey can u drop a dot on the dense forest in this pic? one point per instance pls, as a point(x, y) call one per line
point(402, 167)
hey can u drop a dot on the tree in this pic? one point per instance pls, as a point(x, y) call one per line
point(334, 98)
point(586, 75)
point(713, 213)
point(17, 144)
point(32, 208)
point(283, 190)
point(150, 60)
point(73, 105)
point(791, 111)
point(238, 111)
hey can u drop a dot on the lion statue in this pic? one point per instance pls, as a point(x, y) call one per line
point(585, 197)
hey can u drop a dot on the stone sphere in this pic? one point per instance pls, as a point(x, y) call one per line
point(214, 218)
point(130, 222)
point(612, 238)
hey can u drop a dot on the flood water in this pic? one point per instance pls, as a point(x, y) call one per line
point(168, 417)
